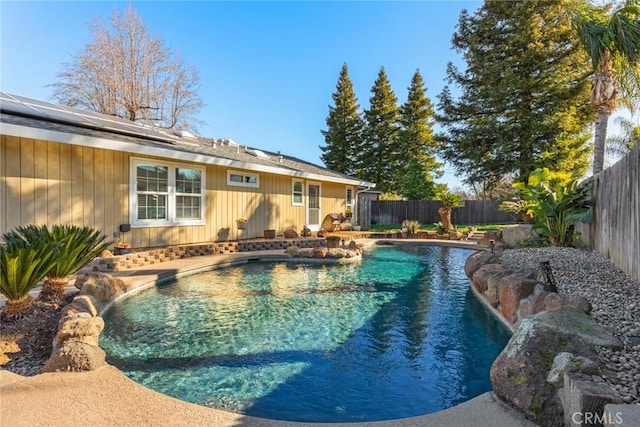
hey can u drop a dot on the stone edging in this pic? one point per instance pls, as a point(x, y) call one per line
point(548, 369)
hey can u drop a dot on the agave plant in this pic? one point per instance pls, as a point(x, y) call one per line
point(73, 247)
point(21, 268)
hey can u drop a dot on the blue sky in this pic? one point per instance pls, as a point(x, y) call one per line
point(267, 69)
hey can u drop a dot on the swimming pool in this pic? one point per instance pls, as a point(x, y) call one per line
point(395, 336)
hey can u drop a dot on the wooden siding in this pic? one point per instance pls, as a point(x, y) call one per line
point(52, 183)
point(615, 229)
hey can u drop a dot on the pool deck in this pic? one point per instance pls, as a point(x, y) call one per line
point(106, 397)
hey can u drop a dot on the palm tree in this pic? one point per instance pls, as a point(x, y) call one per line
point(619, 145)
point(449, 201)
point(612, 41)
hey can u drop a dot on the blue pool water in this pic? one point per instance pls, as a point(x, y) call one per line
point(398, 335)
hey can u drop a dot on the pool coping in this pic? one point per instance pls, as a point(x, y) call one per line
point(107, 388)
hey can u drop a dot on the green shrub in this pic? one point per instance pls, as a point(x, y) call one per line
point(519, 207)
point(411, 225)
point(557, 203)
point(73, 247)
point(21, 268)
point(441, 229)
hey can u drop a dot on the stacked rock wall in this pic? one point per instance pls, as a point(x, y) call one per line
point(155, 256)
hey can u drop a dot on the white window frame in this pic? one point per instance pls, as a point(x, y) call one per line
point(171, 219)
point(348, 205)
point(244, 175)
point(293, 192)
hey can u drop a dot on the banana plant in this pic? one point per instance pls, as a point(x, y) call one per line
point(557, 201)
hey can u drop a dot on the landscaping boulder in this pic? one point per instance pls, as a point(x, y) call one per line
point(353, 246)
point(81, 327)
point(319, 252)
point(337, 253)
point(496, 236)
point(519, 374)
point(75, 347)
point(76, 356)
point(482, 275)
point(477, 260)
point(492, 294)
point(103, 288)
point(292, 250)
point(511, 290)
point(554, 301)
point(579, 302)
point(566, 362)
point(533, 304)
point(86, 303)
point(571, 320)
point(515, 235)
point(290, 234)
point(305, 253)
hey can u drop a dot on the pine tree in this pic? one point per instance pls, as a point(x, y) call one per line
point(343, 136)
point(523, 93)
point(417, 162)
point(380, 151)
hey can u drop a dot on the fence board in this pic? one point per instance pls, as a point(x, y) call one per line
point(426, 212)
point(615, 229)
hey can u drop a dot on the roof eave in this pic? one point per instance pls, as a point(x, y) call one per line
point(129, 147)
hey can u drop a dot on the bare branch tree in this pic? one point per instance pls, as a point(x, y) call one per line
point(126, 71)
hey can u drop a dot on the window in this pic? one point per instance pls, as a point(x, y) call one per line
point(188, 194)
point(297, 193)
point(152, 189)
point(164, 194)
point(242, 179)
point(349, 198)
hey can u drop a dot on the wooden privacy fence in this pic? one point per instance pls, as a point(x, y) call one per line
point(426, 212)
point(615, 229)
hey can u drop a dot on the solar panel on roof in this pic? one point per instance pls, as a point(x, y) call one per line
point(87, 119)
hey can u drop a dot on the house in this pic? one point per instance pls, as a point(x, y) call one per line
point(148, 187)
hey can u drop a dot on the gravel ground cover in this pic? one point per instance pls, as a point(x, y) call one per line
point(616, 305)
